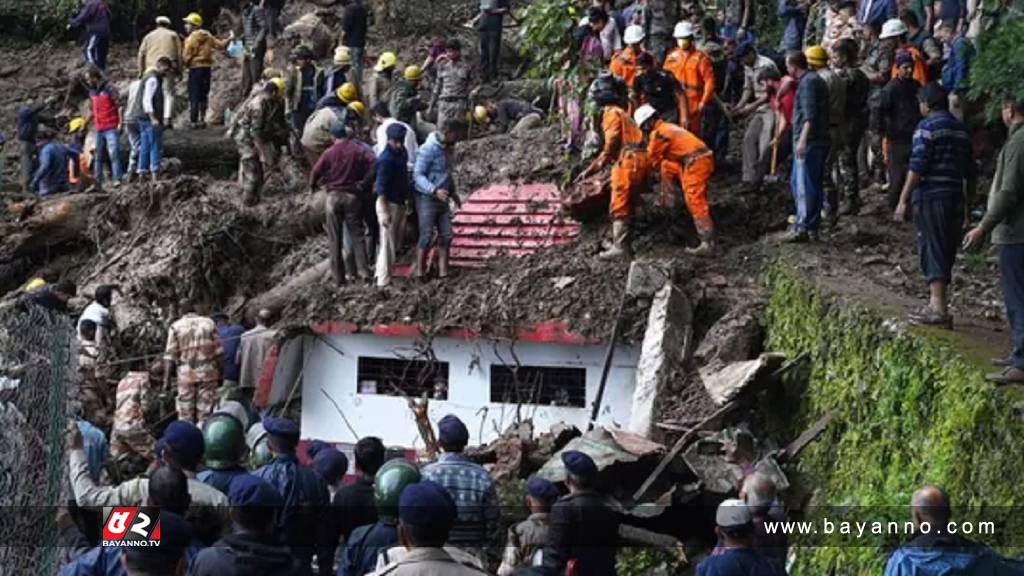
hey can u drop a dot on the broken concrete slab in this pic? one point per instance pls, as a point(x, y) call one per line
point(724, 383)
point(606, 447)
point(709, 460)
point(735, 337)
point(668, 335)
point(646, 278)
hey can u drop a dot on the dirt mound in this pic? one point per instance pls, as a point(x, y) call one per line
point(534, 156)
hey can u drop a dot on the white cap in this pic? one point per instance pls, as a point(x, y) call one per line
point(634, 34)
point(163, 20)
point(892, 28)
point(683, 29)
point(733, 513)
point(643, 114)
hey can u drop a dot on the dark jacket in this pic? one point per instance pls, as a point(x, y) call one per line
point(363, 548)
point(739, 562)
point(657, 88)
point(406, 102)
point(811, 106)
point(585, 529)
point(52, 175)
point(330, 81)
point(244, 555)
point(392, 180)
point(947, 555)
point(942, 156)
point(354, 506)
point(898, 109)
point(254, 27)
point(94, 17)
point(356, 21)
point(305, 496)
point(231, 338)
point(347, 166)
point(27, 122)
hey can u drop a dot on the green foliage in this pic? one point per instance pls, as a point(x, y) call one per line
point(643, 562)
point(910, 411)
point(998, 67)
point(547, 28)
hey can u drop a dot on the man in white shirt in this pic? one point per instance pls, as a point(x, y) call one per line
point(382, 116)
point(98, 311)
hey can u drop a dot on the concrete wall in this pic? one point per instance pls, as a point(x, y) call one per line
point(330, 363)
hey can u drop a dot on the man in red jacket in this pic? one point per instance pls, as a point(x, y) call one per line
point(106, 120)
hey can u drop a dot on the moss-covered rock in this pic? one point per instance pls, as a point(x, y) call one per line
point(912, 407)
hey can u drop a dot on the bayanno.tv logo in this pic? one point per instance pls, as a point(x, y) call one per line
point(132, 526)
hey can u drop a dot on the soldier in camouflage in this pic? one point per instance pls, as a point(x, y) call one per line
point(451, 91)
point(92, 396)
point(528, 537)
point(405, 101)
point(131, 442)
point(194, 348)
point(259, 129)
point(877, 60)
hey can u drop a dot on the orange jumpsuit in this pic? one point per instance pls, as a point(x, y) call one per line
point(623, 65)
point(920, 64)
point(683, 155)
point(692, 69)
point(623, 145)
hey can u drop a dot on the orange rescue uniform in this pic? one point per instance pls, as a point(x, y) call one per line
point(692, 69)
point(623, 145)
point(920, 64)
point(623, 65)
point(683, 155)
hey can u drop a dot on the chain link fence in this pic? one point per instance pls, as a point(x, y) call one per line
point(37, 376)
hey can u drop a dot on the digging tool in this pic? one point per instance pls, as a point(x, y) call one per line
point(773, 177)
point(608, 355)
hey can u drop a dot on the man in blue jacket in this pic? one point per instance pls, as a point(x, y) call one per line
point(435, 186)
point(957, 66)
point(94, 19)
point(51, 176)
point(936, 552)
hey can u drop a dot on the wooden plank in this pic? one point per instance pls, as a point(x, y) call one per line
point(808, 436)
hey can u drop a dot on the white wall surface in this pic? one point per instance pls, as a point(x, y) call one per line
point(330, 363)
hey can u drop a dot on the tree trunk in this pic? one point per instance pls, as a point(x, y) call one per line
point(42, 224)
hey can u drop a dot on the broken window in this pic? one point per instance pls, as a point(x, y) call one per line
point(398, 377)
point(543, 385)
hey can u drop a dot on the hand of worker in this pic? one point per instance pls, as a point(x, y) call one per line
point(801, 148)
point(73, 436)
point(153, 118)
point(974, 237)
point(441, 194)
point(900, 214)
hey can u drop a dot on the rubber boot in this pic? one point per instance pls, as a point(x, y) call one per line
point(620, 247)
point(442, 262)
point(706, 246)
point(421, 263)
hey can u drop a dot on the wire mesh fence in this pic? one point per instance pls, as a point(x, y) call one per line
point(37, 376)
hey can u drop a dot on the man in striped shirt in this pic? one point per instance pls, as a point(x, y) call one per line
point(941, 164)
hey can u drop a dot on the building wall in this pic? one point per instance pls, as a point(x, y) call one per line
point(330, 363)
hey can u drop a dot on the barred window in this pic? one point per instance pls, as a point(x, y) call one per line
point(398, 377)
point(543, 385)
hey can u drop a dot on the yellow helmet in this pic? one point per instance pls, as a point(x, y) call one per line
point(342, 57)
point(357, 107)
point(77, 123)
point(816, 56)
point(271, 73)
point(413, 73)
point(280, 84)
point(386, 60)
point(346, 92)
point(194, 19)
point(481, 115)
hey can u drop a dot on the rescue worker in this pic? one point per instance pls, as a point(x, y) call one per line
point(954, 71)
point(181, 447)
point(383, 78)
point(355, 22)
point(338, 73)
point(304, 493)
point(405, 102)
point(879, 58)
point(162, 42)
point(106, 120)
point(51, 177)
point(435, 188)
point(80, 157)
point(197, 56)
point(624, 152)
point(895, 34)
point(27, 123)
point(426, 514)
point(679, 154)
point(230, 333)
point(623, 63)
point(941, 164)
point(354, 504)
point(94, 17)
point(658, 88)
point(692, 69)
point(489, 23)
point(93, 403)
point(393, 188)
point(340, 98)
point(926, 44)
point(817, 61)
point(253, 349)
point(259, 130)
point(469, 484)
point(810, 148)
point(224, 449)
point(854, 122)
point(251, 548)
point(450, 99)
point(196, 352)
point(509, 115)
point(131, 443)
point(329, 462)
point(527, 539)
point(899, 113)
point(345, 171)
point(754, 103)
point(304, 78)
point(254, 44)
point(367, 543)
point(582, 528)
point(382, 118)
point(734, 525)
point(316, 135)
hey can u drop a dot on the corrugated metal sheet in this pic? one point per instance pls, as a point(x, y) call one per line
point(509, 219)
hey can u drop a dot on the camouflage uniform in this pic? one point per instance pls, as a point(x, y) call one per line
point(451, 91)
point(92, 396)
point(877, 59)
point(261, 117)
point(195, 348)
point(405, 102)
point(524, 540)
point(130, 437)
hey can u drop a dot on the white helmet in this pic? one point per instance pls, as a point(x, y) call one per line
point(683, 30)
point(643, 114)
point(634, 34)
point(892, 28)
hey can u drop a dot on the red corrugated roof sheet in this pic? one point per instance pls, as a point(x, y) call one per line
point(509, 219)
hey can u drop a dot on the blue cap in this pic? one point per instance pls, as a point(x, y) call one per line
point(744, 48)
point(579, 464)
point(395, 131)
point(427, 503)
point(314, 447)
point(331, 464)
point(249, 490)
point(452, 432)
point(542, 489)
point(185, 441)
point(281, 427)
point(904, 57)
point(175, 536)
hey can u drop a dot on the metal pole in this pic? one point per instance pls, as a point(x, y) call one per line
point(608, 355)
